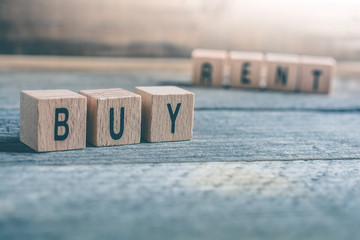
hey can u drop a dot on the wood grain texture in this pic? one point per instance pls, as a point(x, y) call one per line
point(39, 120)
point(209, 67)
point(261, 165)
point(344, 95)
point(282, 71)
point(255, 200)
point(219, 135)
point(168, 113)
point(246, 69)
point(100, 103)
point(317, 74)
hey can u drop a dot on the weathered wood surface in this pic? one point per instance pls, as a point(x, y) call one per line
point(242, 200)
point(217, 186)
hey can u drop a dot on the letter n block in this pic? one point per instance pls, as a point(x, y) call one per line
point(282, 70)
point(317, 74)
point(52, 120)
point(114, 117)
point(167, 113)
point(245, 69)
point(209, 67)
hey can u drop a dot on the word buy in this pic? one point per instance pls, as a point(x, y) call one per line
point(52, 120)
point(282, 72)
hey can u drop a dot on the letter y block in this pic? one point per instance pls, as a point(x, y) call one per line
point(52, 120)
point(167, 113)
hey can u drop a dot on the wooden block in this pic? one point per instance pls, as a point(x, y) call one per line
point(317, 74)
point(245, 69)
point(282, 70)
point(114, 117)
point(208, 67)
point(52, 120)
point(167, 113)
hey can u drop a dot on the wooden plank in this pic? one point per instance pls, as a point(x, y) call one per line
point(218, 136)
point(223, 184)
point(257, 200)
point(344, 95)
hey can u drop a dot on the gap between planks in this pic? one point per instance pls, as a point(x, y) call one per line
point(243, 109)
point(32, 162)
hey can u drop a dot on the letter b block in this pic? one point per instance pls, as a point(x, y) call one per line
point(52, 120)
point(114, 117)
point(167, 113)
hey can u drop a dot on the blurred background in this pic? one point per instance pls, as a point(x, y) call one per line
point(172, 28)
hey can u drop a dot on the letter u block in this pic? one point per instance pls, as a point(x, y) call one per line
point(167, 113)
point(114, 117)
point(209, 67)
point(52, 120)
point(282, 70)
point(317, 74)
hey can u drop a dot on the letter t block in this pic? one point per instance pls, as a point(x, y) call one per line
point(52, 120)
point(167, 113)
point(114, 117)
point(317, 74)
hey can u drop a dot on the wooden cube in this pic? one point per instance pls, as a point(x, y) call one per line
point(209, 67)
point(52, 120)
point(114, 117)
point(167, 113)
point(245, 69)
point(317, 74)
point(282, 70)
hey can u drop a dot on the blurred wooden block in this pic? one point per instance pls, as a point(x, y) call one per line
point(317, 74)
point(208, 67)
point(114, 117)
point(245, 69)
point(52, 120)
point(282, 70)
point(167, 113)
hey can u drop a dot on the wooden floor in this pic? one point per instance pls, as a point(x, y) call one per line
point(262, 165)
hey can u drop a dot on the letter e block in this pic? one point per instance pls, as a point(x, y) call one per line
point(52, 120)
point(317, 74)
point(282, 70)
point(245, 69)
point(208, 67)
point(167, 113)
point(114, 117)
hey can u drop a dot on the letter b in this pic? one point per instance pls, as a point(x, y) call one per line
point(62, 123)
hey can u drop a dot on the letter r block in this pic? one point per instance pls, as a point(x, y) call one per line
point(52, 120)
point(317, 74)
point(114, 117)
point(282, 70)
point(209, 67)
point(167, 113)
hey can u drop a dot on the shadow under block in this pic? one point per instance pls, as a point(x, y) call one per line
point(167, 113)
point(52, 120)
point(282, 70)
point(114, 117)
point(208, 67)
point(245, 69)
point(317, 74)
